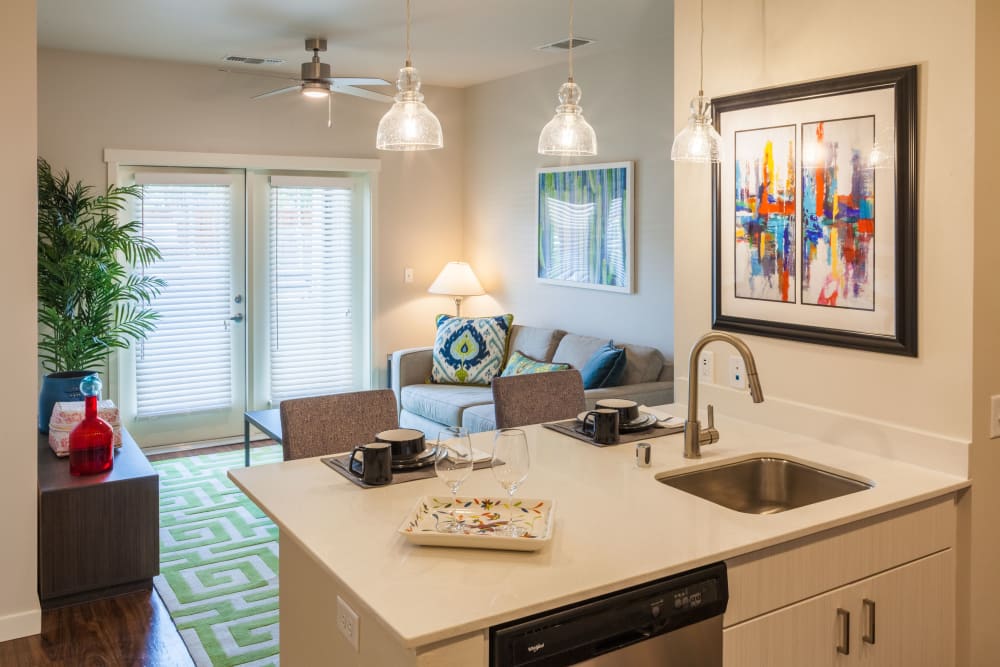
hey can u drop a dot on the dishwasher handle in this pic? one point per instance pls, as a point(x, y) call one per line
point(622, 640)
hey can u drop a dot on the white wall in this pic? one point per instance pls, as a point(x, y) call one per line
point(627, 98)
point(87, 103)
point(936, 392)
point(19, 611)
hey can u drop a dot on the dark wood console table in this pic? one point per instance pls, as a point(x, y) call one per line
point(98, 535)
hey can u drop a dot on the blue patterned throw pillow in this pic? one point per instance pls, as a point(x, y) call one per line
point(518, 364)
point(470, 350)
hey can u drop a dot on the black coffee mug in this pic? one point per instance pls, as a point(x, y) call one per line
point(602, 426)
point(628, 411)
point(375, 465)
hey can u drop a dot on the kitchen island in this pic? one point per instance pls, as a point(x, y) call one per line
point(615, 526)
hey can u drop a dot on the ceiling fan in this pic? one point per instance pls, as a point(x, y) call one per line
point(316, 81)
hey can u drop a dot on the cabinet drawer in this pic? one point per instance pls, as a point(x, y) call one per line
point(772, 578)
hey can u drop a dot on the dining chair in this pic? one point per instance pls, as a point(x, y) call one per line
point(335, 423)
point(520, 400)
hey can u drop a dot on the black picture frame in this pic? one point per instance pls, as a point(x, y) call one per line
point(902, 340)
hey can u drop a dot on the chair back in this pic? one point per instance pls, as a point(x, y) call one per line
point(520, 400)
point(319, 425)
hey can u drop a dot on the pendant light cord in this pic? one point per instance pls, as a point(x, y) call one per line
point(570, 40)
point(408, 33)
point(701, 51)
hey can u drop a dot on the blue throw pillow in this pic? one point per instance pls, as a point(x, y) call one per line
point(605, 368)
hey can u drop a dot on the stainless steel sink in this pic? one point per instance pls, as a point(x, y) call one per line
point(763, 484)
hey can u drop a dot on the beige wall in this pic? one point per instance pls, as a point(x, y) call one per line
point(627, 99)
point(984, 572)
point(19, 612)
point(88, 103)
point(936, 392)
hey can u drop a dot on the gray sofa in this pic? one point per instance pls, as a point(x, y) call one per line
point(649, 379)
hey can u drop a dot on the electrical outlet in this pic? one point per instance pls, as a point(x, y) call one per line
point(407, 275)
point(706, 366)
point(995, 417)
point(347, 622)
point(737, 373)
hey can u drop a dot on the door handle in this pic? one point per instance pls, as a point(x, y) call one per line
point(238, 317)
point(869, 636)
point(844, 646)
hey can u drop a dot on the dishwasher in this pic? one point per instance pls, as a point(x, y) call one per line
point(671, 622)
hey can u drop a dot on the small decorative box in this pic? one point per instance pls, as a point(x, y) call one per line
point(67, 414)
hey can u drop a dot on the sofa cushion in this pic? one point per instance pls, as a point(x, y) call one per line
point(535, 342)
point(643, 364)
point(605, 367)
point(518, 364)
point(479, 418)
point(443, 403)
point(470, 350)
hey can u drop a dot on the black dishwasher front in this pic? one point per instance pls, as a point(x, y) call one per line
point(671, 622)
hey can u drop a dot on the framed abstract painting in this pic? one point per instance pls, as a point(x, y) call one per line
point(815, 215)
point(585, 226)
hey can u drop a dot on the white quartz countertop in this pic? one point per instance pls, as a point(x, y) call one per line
point(615, 525)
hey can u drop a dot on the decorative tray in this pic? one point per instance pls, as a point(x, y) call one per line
point(432, 516)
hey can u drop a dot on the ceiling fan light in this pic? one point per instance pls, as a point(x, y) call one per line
point(568, 134)
point(698, 141)
point(316, 89)
point(409, 125)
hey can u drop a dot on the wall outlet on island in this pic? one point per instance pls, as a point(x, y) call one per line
point(737, 372)
point(347, 622)
point(706, 366)
point(995, 417)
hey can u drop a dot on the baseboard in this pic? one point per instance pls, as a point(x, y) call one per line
point(21, 624)
point(201, 444)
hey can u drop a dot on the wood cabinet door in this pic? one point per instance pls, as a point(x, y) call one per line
point(914, 608)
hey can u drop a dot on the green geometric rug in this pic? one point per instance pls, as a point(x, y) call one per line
point(218, 561)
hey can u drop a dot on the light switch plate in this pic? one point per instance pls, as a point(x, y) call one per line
point(347, 622)
point(737, 373)
point(995, 417)
point(407, 275)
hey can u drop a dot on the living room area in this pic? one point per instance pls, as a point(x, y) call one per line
point(171, 97)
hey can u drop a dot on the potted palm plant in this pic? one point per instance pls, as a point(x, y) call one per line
point(93, 295)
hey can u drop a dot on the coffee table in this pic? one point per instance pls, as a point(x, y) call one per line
point(267, 421)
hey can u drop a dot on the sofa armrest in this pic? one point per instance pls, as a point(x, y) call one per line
point(410, 366)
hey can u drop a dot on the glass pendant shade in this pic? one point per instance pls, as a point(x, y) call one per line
point(698, 141)
point(409, 125)
point(316, 89)
point(568, 133)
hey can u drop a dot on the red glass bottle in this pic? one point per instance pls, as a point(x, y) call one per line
point(91, 443)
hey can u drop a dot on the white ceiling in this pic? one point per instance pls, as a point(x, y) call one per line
point(455, 42)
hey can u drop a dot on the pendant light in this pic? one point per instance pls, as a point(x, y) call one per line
point(568, 133)
point(409, 125)
point(698, 141)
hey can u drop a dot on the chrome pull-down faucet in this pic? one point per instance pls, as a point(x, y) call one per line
point(694, 435)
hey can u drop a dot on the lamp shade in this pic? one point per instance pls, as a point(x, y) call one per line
point(456, 279)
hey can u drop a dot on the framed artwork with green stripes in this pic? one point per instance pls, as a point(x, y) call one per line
point(585, 226)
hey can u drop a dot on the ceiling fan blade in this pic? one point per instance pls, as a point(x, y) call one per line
point(266, 75)
point(361, 92)
point(279, 91)
point(358, 81)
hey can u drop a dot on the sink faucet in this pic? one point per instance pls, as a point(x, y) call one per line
point(694, 435)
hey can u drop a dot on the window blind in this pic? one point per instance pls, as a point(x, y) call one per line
point(311, 276)
point(186, 364)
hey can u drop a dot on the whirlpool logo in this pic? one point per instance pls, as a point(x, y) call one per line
point(535, 648)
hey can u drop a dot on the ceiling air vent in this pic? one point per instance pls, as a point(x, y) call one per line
point(248, 60)
point(563, 45)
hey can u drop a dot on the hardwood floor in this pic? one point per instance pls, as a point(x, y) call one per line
point(128, 630)
point(133, 629)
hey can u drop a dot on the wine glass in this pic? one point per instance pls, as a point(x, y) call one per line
point(453, 464)
point(510, 467)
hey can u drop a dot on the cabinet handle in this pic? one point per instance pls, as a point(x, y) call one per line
point(844, 616)
point(869, 636)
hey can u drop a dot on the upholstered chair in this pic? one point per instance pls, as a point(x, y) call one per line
point(520, 400)
point(331, 424)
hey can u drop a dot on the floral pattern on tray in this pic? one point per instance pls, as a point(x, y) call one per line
point(433, 517)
